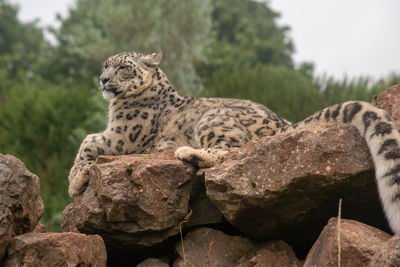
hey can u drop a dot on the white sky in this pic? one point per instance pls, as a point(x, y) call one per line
point(45, 10)
point(353, 37)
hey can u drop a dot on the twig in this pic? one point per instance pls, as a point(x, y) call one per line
point(339, 229)
point(185, 220)
point(209, 253)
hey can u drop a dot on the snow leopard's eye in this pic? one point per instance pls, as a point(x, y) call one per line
point(125, 71)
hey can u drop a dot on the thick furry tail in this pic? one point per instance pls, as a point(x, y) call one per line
point(383, 140)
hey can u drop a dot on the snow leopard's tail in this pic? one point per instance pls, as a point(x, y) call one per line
point(383, 140)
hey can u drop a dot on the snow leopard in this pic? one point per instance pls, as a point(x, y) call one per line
point(147, 115)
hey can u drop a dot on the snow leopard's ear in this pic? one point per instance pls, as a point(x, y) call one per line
point(152, 60)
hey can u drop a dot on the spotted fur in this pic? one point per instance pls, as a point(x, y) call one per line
point(146, 115)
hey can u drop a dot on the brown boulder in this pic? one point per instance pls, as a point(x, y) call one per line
point(209, 247)
point(358, 242)
point(272, 254)
point(389, 100)
point(139, 201)
point(150, 195)
point(21, 206)
point(388, 254)
point(132, 199)
point(40, 228)
point(56, 249)
point(151, 262)
point(287, 186)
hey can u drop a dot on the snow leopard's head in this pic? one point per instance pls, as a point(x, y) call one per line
point(128, 73)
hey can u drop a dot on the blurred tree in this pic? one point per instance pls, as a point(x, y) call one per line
point(21, 44)
point(246, 34)
point(96, 29)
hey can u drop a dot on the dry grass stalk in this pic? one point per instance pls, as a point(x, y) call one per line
point(209, 253)
point(339, 229)
point(185, 220)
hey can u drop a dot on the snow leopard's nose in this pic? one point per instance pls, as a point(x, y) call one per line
point(103, 81)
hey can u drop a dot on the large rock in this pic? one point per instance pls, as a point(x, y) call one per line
point(21, 206)
point(209, 247)
point(388, 254)
point(138, 201)
point(149, 195)
point(56, 249)
point(272, 254)
point(358, 243)
point(151, 262)
point(389, 100)
point(40, 228)
point(287, 186)
point(133, 200)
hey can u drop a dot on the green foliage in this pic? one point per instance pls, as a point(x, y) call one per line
point(96, 29)
point(246, 34)
point(21, 44)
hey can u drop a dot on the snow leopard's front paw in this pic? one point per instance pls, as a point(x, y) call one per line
point(198, 157)
point(79, 183)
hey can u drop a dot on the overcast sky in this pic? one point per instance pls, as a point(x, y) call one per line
point(353, 37)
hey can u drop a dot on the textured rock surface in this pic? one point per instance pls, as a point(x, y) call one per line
point(40, 228)
point(138, 201)
point(272, 254)
point(358, 242)
point(133, 200)
point(21, 206)
point(388, 254)
point(289, 185)
point(153, 263)
point(389, 100)
point(56, 249)
point(150, 195)
point(209, 247)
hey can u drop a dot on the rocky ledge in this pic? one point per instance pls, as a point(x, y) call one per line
point(272, 202)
